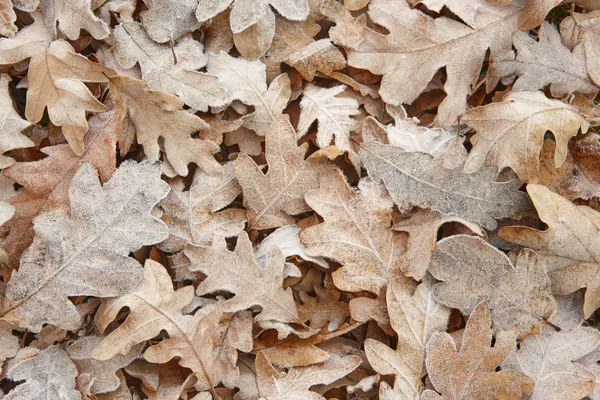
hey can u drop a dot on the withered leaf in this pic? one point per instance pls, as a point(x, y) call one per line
point(324, 309)
point(511, 133)
point(157, 114)
point(472, 271)
point(28, 42)
point(86, 253)
point(417, 179)
point(470, 372)
point(570, 247)
point(584, 29)
point(72, 17)
point(167, 20)
point(156, 306)
point(349, 31)
point(11, 125)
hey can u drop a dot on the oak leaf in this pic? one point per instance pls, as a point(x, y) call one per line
point(584, 28)
point(7, 19)
point(86, 253)
point(470, 372)
point(323, 309)
point(542, 63)
point(417, 179)
point(272, 198)
point(155, 306)
point(28, 42)
point(72, 17)
point(570, 247)
point(11, 125)
point(239, 273)
point(167, 20)
point(172, 70)
point(348, 31)
point(550, 360)
point(196, 216)
point(511, 133)
point(472, 271)
point(418, 46)
point(415, 318)
point(156, 114)
point(356, 233)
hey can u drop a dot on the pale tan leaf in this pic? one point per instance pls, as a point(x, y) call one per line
point(272, 198)
point(167, 20)
point(156, 306)
point(157, 114)
point(73, 16)
point(239, 273)
point(549, 359)
point(172, 70)
point(11, 125)
point(535, 12)
point(46, 182)
point(234, 335)
point(348, 31)
point(356, 233)
point(543, 63)
point(245, 80)
point(417, 179)
point(295, 353)
point(469, 373)
point(418, 46)
point(472, 271)
point(323, 309)
point(255, 40)
point(584, 29)
point(28, 42)
point(48, 374)
point(86, 253)
point(570, 247)
point(422, 228)
point(196, 216)
point(7, 19)
point(511, 133)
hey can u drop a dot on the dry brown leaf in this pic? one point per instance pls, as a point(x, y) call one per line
point(86, 253)
point(72, 17)
point(48, 374)
point(570, 247)
point(172, 70)
point(418, 46)
point(46, 182)
point(584, 29)
point(56, 81)
point(550, 360)
point(417, 179)
point(28, 42)
point(193, 216)
point(414, 318)
point(323, 309)
point(295, 353)
point(473, 271)
point(7, 19)
point(578, 177)
point(238, 272)
point(157, 114)
point(470, 372)
point(422, 228)
point(272, 198)
point(255, 40)
point(234, 335)
point(11, 125)
point(356, 233)
point(167, 20)
point(348, 31)
point(542, 63)
point(155, 306)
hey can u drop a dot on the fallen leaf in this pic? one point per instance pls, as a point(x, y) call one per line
point(11, 125)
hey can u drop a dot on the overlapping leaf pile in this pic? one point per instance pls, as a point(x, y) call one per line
point(299, 199)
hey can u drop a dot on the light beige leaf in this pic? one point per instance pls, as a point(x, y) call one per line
point(100, 376)
point(48, 374)
point(28, 42)
point(414, 318)
point(549, 359)
point(234, 335)
point(296, 383)
point(86, 253)
point(585, 29)
point(7, 19)
point(348, 31)
point(356, 233)
point(511, 133)
point(418, 46)
point(333, 114)
point(11, 125)
point(417, 179)
point(157, 114)
point(272, 198)
point(155, 306)
point(472, 271)
point(470, 372)
point(46, 182)
point(422, 229)
point(72, 17)
point(570, 247)
point(239, 273)
point(255, 40)
point(542, 63)
point(56, 81)
point(323, 309)
point(535, 12)
point(172, 70)
point(245, 80)
point(194, 216)
point(167, 20)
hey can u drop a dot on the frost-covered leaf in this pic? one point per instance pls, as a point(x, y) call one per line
point(11, 125)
